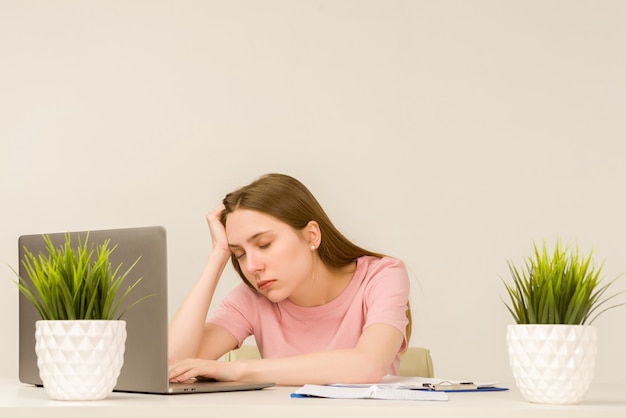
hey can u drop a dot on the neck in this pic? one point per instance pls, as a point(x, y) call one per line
point(324, 285)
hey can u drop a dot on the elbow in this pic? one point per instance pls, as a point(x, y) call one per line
point(372, 372)
point(367, 367)
point(375, 375)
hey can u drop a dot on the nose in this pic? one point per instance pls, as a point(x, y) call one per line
point(253, 263)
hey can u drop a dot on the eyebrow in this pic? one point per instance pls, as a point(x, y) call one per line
point(252, 238)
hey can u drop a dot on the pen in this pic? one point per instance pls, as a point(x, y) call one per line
point(450, 386)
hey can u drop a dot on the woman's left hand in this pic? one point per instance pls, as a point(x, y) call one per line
point(190, 368)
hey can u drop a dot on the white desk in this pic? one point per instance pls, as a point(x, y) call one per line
point(17, 400)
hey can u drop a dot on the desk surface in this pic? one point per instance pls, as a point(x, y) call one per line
point(18, 400)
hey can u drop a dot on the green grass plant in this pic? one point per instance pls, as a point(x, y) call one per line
point(558, 287)
point(75, 282)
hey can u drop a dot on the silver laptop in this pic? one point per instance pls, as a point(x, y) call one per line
point(145, 357)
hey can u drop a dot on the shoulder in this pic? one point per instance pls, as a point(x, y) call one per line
point(243, 294)
point(384, 282)
point(373, 271)
point(247, 302)
point(374, 265)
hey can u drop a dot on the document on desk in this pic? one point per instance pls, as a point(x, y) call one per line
point(367, 392)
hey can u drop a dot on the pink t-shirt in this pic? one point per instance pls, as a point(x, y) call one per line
point(377, 294)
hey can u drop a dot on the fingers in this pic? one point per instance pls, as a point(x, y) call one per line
point(215, 214)
point(187, 369)
point(184, 370)
point(218, 233)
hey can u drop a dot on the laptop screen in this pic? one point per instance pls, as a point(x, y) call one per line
point(145, 357)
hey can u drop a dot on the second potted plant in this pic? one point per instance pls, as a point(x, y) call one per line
point(554, 298)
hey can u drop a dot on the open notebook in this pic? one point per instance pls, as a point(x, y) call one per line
point(145, 358)
point(396, 388)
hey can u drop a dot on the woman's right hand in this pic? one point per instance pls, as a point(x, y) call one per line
point(218, 232)
point(187, 330)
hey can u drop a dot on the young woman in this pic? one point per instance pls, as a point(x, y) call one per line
point(322, 310)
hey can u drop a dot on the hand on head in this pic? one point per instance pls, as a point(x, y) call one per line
point(218, 233)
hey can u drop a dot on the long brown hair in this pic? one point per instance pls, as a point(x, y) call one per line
point(288, 200)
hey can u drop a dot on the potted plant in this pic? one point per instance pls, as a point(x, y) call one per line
point(80, 339)
point(554, 298)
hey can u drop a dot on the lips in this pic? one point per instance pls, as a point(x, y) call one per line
point(264, 284)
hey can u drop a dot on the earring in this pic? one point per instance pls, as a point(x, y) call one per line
point(312, 247)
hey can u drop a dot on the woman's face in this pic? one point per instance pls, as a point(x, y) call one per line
point(275, 258)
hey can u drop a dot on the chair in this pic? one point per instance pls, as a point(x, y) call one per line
point(245, 352)
point(414, 361)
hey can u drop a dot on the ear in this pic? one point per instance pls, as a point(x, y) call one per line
point(312, 234)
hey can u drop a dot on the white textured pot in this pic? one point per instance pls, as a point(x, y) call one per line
point(552, 364)
point(80, 360)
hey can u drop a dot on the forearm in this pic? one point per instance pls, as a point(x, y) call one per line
point(334, 366)
point(187, 325)
point(368, 362)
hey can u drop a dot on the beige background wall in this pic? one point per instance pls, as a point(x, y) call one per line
point(447, 133)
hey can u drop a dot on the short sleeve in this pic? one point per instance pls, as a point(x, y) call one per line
point(237, 312)
point(387, 294)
